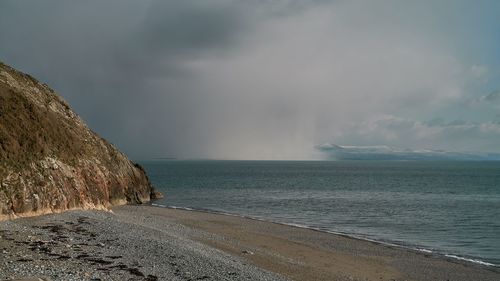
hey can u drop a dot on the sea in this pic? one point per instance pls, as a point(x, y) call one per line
point(445, 208)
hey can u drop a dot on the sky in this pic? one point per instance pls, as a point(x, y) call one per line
point(267, 79)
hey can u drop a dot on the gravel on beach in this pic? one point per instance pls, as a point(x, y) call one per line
point(96, 245)
point(144, 242)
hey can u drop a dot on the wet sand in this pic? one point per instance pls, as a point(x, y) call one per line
point(141, 242)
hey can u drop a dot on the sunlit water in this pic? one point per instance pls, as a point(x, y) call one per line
point(445, 207)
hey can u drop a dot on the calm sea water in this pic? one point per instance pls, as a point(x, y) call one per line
point(450, 208)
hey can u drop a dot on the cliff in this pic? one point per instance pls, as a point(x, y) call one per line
point(50, 161)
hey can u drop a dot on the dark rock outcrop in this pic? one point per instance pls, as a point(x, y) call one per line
point(51, 161)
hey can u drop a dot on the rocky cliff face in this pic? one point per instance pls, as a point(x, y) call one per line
point(51, 161)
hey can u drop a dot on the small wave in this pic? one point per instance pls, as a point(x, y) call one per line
point(471, 260)
point(172, 207)
point(297, 225)
point(424, 250)
point(179, 208)
point(158, 205)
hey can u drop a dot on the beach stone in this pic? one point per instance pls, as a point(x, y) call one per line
point(33, 279)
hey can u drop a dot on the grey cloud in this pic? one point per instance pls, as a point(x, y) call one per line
point(455, 135)
point(184, 26)
point(490, 98)
point(436, 122)
point(493, 96)
point(122, 66)
point(233, 79)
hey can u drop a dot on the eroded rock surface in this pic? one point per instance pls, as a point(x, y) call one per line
point(51, 161)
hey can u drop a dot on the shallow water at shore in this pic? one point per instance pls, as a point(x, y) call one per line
point(444, 207)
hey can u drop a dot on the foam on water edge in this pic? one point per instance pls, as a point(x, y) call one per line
point(471, 260)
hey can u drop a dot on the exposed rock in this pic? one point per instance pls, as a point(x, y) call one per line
point(51, 161)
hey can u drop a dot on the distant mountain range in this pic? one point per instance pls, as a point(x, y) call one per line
point(383, 152)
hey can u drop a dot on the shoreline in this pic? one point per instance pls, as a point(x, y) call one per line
point(144, 242)
point(413, 248)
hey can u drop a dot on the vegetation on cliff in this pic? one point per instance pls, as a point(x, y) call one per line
point(51, 161)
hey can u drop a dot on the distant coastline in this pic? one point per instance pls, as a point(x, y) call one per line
point(164, 158)
point(388, 153)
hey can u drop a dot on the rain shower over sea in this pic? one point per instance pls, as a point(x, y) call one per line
point(448, 208)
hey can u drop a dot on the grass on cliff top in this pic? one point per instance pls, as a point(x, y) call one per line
point(29, 132)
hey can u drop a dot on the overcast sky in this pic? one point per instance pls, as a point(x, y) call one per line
point(267, 79)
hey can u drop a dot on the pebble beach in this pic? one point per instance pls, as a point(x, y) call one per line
point(152, 243)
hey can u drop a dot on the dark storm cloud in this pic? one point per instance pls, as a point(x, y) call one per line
point(124, 65)
point(240, 79)
point(187, 26)
point(105, 58)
